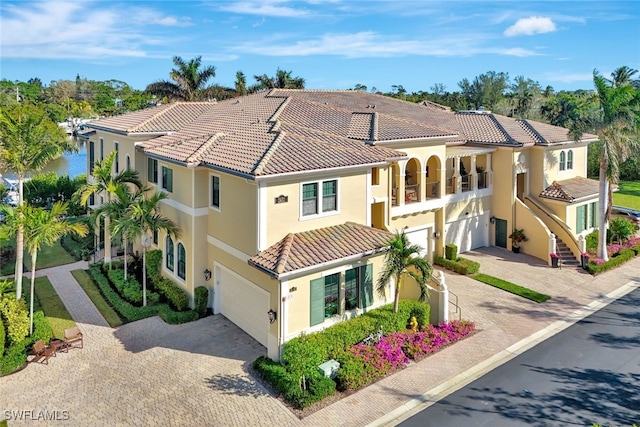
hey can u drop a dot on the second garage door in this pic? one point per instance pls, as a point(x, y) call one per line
point(469, 233)
point(242, 302)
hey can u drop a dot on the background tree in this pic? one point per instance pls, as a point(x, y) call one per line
point(241, 83)
point(44, 227)
point(282, 80)
point(403, 259)
point(617, 124)
point(189, 81)
point(29, 140)
point(485, 90)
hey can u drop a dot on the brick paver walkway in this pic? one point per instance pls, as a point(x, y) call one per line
point(148, 372)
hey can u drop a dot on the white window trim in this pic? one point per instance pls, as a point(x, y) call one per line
point(164, 256)
point(320, 214)
point(176, 260)
point(215, 208)
point(158, 173)
point(567, 168)
point(562, 166)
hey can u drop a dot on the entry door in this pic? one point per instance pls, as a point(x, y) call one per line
point(501, 233)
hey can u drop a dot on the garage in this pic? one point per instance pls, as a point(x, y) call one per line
point(469, 233)
point(242, 302)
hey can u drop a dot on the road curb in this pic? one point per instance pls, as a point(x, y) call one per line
point(464, 378)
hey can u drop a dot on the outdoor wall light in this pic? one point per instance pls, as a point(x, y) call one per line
point(492, 220)
point(436, 235)
point(272, 315)
point(207, 275)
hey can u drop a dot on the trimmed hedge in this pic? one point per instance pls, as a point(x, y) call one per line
point(2, 337)
point(201, 300)
point(622, 257)
point(450, 251)
point(15, 355)
point(461, 265)
point(16, 316)
point(132, 313)
point(174, 294)
point(130, 289)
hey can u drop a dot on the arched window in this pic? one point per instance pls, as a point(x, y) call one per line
point(182, 261)
point(168, 249)
point(570, 159)
point(562, 161)
point(128, 163)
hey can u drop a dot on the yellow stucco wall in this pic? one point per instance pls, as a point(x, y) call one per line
point(410, 221)
point(551, 169)
point(235, 222)
point(299, 306)
point(382, 189)
point(284, 218)
point(503, 185)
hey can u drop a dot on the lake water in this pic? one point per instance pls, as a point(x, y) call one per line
point(69, 164)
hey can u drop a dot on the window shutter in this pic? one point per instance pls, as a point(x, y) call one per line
point(317, 302)
point(581, 218)
point(150, 170)
point(366, 279)
point(594, 214)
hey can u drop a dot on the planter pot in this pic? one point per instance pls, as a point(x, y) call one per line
point(515, 249)
point(585, 261)
point(554, 262)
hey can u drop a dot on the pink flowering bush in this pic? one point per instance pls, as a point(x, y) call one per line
point(617, 247)
point(363, 364)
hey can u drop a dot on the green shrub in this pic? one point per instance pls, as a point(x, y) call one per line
point(621, 229)
point(177, 298)
point(460, 266)
point(592, 239)
point(451, 251)
point(14, 358)
point(154, 264)
point(130, 289)
point(16, 318)
point(2, 337)
point(624, 256)
point(201, 300)
point(41, 328)
point(132, 313)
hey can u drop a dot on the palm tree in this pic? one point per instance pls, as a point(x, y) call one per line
point(116, 211)
point(402, 258)
point(145, 214)
point(241, 83)
point(282, 80)
point(617, 124)
point(43, 228)
point(28, 141)
point(624, 76)
point(189, 81)
point(103, 180)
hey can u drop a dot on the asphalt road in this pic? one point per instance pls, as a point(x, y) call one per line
point(588, 373)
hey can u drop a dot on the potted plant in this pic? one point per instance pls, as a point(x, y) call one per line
point(554, 259)
point(517, 237)
point(584, 257)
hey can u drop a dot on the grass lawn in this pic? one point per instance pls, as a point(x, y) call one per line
point(628, 195)
point(54, 310)
point(50, 256)
point(511, 287)
point(96, 297)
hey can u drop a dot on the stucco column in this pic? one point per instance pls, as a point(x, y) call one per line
point(443, 307)
point(474, 181)
point(552, 246)
point(489, 171)
point(422, 186)
point(457, 188)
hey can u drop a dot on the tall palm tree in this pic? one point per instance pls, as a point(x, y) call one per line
point(116, 212)
point(103, 180)
point(145, 214)
point(403, 259)
point(189, 81)
point(282, 80)
point(617, 124)
point(624, 75)
point(43, 228)
point(241, 83)
point(29, 140)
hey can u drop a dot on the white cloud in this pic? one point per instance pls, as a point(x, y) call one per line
point(265, 8)
point(368, 44)
point(530, 26)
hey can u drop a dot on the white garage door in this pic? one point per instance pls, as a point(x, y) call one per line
point(469, 233)
point(244, 303)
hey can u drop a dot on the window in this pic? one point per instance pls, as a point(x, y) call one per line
point(167, 179)
point(375, 176)
point(152, 170)
point(570, 160)
point(92, 199)
point(593, 207)
point(155, 237)
point(101, 149)
point(562, 161)
point(168, 249)
point(117, 160)
point(128, 163)
point(327, 299)
point(215, 191)
point(92, 159)
point(182, 261)
point(581, 218)
point(311, 201)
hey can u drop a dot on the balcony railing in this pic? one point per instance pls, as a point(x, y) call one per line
point(451, 185)
point(411, 193)
point(466, 181)
point(482, 180)
point(433, 190)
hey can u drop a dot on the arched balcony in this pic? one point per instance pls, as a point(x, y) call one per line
point(412, 179)
point(432, 177)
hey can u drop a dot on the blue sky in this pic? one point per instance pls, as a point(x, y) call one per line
point(332, 44)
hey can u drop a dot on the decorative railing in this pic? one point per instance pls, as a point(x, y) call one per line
point(483, 181)
point(433, 190)
point(411, 193)
point(451, 185)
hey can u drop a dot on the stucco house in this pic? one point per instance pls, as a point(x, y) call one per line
point(286, 197)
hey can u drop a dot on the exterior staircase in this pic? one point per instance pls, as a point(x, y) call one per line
point(566, 256)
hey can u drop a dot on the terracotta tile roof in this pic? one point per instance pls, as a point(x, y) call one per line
point(306, 249)
point(281, 131)
point(569, 190)
point(545, 134)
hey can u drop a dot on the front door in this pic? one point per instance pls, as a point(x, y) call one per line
point(501, 233)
